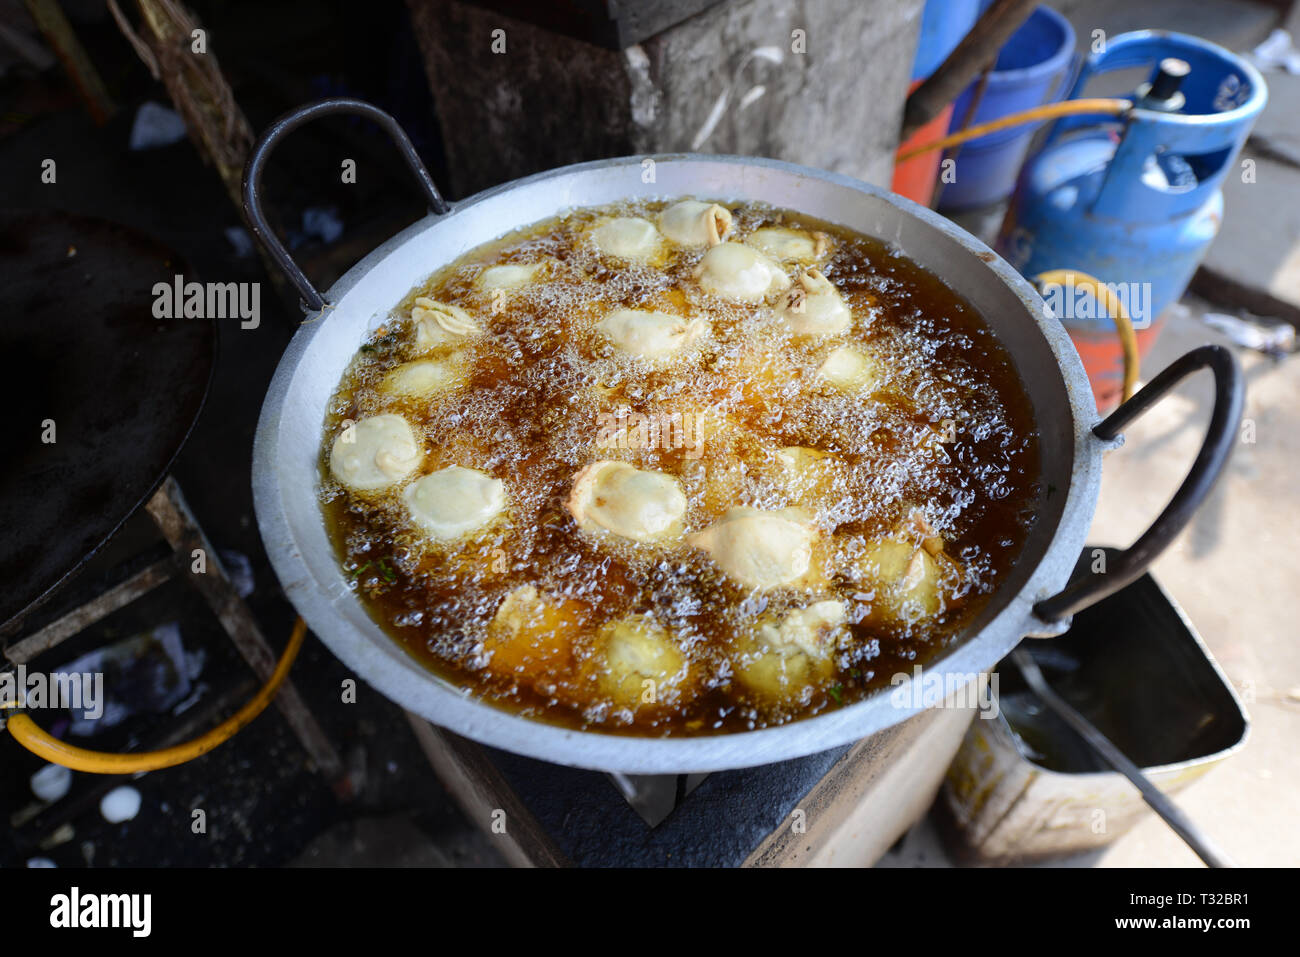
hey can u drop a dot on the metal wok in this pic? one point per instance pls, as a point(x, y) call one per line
point(1036, 598)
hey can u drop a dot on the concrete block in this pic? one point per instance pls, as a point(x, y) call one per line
point(1255, 261)
point(820, 84)
point(1236, 25)
point(1277, 133)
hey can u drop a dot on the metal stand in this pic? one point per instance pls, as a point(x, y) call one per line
point(177, 523)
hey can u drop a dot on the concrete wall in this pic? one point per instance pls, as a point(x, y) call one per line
point(819, 82)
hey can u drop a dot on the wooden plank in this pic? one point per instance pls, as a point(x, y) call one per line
point(857, 811)
point(79, 619)
point(59, 34)
point(486, 797)
point(177, 523)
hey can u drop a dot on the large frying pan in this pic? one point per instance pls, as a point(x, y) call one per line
point(1036, 598)
point(120, 390)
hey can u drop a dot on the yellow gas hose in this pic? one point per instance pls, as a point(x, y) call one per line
point(1045, 112)
point(26, 732)
point(1112, 304)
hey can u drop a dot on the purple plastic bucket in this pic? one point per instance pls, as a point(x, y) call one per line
point(1032, 69)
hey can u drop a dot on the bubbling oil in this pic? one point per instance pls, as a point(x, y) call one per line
point(946, 434)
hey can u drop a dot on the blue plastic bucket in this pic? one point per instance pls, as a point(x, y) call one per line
point(1032, 69)
point(943, 25)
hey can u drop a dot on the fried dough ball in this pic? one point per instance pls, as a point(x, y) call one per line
point(652, 336)
point(789, 245)
point(532, 636)
point(807, 474)
point(814, 307)
point(423, 378)
point(693, 223)
point(760, 549)
point(439, 325)
point(733, 271)
point(852, 370)
point(375, 453)
point(913, 575)
point(628, 237)
point(631, 503)
point(453, 502)
point(637, 663)
point(784, 656)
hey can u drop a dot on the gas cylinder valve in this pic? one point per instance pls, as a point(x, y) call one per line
point(1162, 91)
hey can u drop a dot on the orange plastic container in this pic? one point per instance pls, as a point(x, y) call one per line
point(916, 177)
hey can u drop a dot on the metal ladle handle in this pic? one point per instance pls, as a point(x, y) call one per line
point(1229, 397)
point(286, 124)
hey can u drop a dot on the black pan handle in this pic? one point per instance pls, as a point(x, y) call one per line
point(287, 124)
point(1229, 397)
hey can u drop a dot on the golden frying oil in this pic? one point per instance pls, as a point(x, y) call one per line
point(541, 384)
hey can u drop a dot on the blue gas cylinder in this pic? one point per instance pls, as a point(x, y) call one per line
point(1136, 200)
